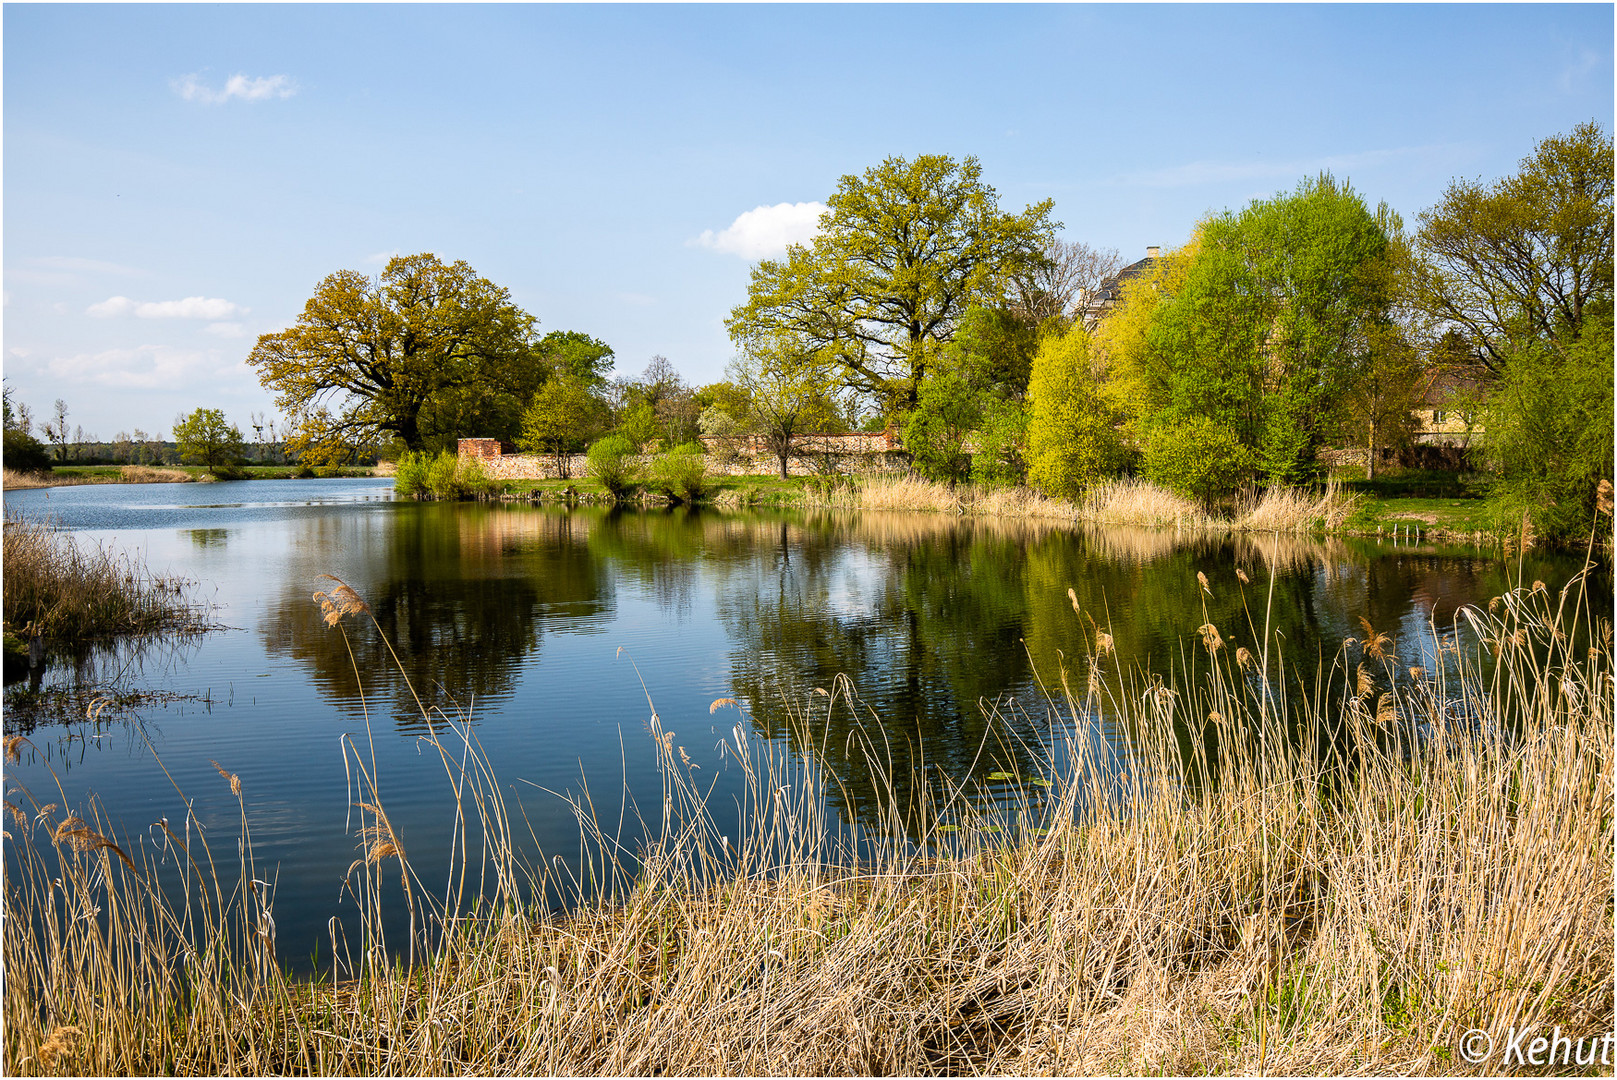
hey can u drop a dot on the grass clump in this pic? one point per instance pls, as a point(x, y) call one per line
point(65, 594)
point(1330, 882)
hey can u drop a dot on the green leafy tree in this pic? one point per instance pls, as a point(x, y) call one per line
point(371, 358)
point(1198, 458)
point(1073, 437)
point(559, 419)
point(203, 438)
point(1528, 257)
point(1550, 431)
point(1272, 322)
point(568, 352)
point(935, 431)
point(1001, 458)
point(786, 386)
point(902, 252)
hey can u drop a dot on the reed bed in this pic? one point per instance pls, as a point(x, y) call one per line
point(1127, 501)
point(1338, 881)
point(127, 474)
point(57, 590)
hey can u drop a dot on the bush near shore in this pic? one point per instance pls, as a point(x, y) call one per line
point(1339, 882)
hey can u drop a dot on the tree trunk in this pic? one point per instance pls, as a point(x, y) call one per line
point(783, 475)
point(1370, 456)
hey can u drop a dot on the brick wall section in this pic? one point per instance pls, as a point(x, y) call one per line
point(485, 450)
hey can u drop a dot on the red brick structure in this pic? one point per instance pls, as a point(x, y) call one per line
point(481, 449)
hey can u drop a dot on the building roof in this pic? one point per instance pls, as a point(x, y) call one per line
point(1111, 290)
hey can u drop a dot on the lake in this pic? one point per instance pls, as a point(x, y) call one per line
point(551, 628)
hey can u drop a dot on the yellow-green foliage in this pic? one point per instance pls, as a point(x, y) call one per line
point(1120, 339)
point(1072, 438)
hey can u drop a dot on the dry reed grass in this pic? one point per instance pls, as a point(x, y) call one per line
point(146, 474)
point(1335, 885)
point(66, 595)
point(127, 474)
point(1127, 501)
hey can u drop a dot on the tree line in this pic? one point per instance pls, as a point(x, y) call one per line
point(999, 353)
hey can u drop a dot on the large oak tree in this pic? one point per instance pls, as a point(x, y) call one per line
point(371, 358)
point(902, 252)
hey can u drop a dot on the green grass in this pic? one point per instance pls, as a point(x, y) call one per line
point(1436, 517)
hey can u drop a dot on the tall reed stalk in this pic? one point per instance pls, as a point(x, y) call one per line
point(1337, 878)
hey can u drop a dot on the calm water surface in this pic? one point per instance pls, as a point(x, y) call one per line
point(550, 628)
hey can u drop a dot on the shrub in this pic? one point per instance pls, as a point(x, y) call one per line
point(611, 462)
point(681, 473)
point(1198, 459)
point(24, 453)
point(444, 476)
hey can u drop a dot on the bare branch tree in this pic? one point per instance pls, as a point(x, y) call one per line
point(1060, 283)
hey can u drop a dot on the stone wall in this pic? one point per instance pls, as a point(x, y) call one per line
point(741, 456)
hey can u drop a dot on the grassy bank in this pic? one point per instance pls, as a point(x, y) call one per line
point(1342, 884)
point(69, 475)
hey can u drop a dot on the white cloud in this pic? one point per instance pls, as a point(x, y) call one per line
point(226, 329)
point(148, 367)
point(243, 87)
point(765, 230)
point(192, 307)
point(111, 306)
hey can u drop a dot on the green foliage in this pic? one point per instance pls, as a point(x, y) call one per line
point(902, 252)
point(997, 345)
point(442, 475)
point(1271, 324)
point(556, 421)
point(25, 453)
point(568, 352)
point(681, 473)
point(1072, 434)
point(1528, 257)
point(1549, 425)
point(934, 433)
point(203, 438)
point(1001, 458)
point(419, 351)
point(612, 462)
point(1199, 459)
point(639, 424)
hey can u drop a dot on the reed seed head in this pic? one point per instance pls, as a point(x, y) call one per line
point(1201, 579)
point(340, 601)
point(720, 703)
point(1243, 657)
point(58, 1044)
point(1603, 500)
point(235, 781)
point(1210, 637)
point(1073, 596)
point(1241, 574)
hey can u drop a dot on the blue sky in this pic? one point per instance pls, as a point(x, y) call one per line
point(178, 179)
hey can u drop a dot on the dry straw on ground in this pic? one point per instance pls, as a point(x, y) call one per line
point(1338, 883)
